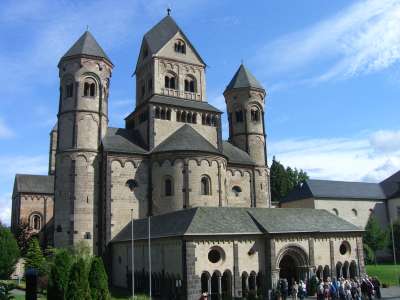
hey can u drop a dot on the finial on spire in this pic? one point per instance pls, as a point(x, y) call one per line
point(87, 27)
point(241, 61)
point(168, 11)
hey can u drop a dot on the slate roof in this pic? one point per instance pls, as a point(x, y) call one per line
point(391, 185)
point(185, 139)
point(123, 141)
point(203, 221)
point(179, 102)
point(242, 79)
point(236, 155)
point(86, 45)
point(337, 190)
point(162, 32)
point(37, 184)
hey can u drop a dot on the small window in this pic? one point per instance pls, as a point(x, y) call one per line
point(255, 115)
point(190, 85)
point(69, 89)
point(178, 116)
point(87, 236)
point(168, 114)
point(194, 118)
point(203, 119)
point(344, 248)
point(168, 187)
point(205, 186)
point(131, 184)
point(354, 211)
point(162, 115)
point(36, 222)
point(92, 89)
point(214, 256)
point(59, 228)
point(239, 116)
point(236, 190)
point(335, 211)
point(180, 47)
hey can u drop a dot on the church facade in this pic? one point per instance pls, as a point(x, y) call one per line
point(212, 227)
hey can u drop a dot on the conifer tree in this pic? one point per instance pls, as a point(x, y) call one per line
point(34, 257)
point(78, 284)
point(374, 236)
point(98, 280)
point(59, 275)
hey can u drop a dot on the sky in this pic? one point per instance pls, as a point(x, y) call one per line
point(330, 68)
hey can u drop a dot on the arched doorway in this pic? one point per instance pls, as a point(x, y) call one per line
point(292, 262)
point(226, 285)
point(326, 273)
point(215, 285)
point(205, 282)
point(345, 269)
point(245, 286)
point(353, 269)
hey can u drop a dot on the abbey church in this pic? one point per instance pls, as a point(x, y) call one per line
point(212, 226)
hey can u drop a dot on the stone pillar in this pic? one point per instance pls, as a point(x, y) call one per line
point(237, 282)
point(219, 277)
point(193, 282)
point(332, 258)
point(360, 256)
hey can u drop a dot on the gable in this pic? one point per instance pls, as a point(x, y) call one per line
point(168, 50)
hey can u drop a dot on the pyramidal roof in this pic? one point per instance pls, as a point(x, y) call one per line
point(86, 45)
point(185, 139)
point(243, 79)
point(162, 32)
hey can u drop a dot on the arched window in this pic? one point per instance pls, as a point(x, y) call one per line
point(162, 114)
point(69, 90)
point(335, 211)
point(189, 117)
point(255, 114)
point(92, 89)
point(194, 118)
point(190, 85)
point(36, 221)
point(89, 88)
point(236, 190)
point(203, 119)
point(157, 114)
point(183, 116)
point(354, 211)
point(168, 114)
point(208, 120)
point(178, 116)
point(205, 185)
point(86, 88)
point(131, 184)
point(180, 47)
point(214, 121)
point(168, 186)
point(169, 81)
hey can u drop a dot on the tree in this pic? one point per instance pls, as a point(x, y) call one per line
point(59, 275)
point(23, 235)
point(284, 180)
point(98, 280)
point(34, 257)
point(396, 234)
point(78, 284)
point(9, 252)
point(374, 236)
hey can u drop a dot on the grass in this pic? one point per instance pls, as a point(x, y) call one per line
point(387, 274)
point(123, 294)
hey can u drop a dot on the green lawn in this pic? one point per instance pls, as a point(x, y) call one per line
point(387, 274)
point(123, 294)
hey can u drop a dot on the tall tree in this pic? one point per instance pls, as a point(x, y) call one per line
point(98, 280)
point(78, 284)
point(34, 257)
point(374, 236)
point(23, 235)
point(284, 180)
point(9, 252)
point(59, 275)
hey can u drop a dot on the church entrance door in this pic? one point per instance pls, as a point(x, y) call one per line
point(288, 269)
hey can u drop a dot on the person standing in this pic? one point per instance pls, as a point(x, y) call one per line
point(295, 290)
point(377, 287)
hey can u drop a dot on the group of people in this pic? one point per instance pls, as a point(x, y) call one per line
point(365, 288)
point(298, 290)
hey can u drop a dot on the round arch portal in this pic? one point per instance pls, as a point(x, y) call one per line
point(292, 263)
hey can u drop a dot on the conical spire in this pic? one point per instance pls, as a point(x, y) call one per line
point(86, 45)
point(243, 79)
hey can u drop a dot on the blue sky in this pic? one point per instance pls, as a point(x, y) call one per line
point(331, 69)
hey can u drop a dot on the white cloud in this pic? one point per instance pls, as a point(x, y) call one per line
point(5, 208)
point(350, 159)
point(5, 131)
point(363, 38)
point(385, 140)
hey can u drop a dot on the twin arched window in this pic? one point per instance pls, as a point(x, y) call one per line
point(186, 117)
point(89, 89)
point(205, 185)
point(169, 82)
point(190, 85)
point(163, 114)
point(180, 47)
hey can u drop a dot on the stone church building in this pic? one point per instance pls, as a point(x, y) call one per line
point(212, 225)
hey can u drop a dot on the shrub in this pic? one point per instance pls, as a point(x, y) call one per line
point(34, 257)
point(59, 275)
point(78, 285)
point(9, 252)
point(98, 280)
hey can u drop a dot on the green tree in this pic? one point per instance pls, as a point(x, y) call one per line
point(78, 284)
point(23, 235)
point(59, 275)
point(98, 280)
point(34, 257)
point(374, 236)
point(284, 180)
point(396, 234)
point(9, 252)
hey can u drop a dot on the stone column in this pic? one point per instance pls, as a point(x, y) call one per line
point(360, 256)
point(332, 258)
point(193, 282)
point(219, 277)
point(237, 282)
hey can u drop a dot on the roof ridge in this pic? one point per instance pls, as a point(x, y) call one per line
point(243, 78)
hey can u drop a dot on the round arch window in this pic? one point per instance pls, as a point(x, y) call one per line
point(215, 255)
point(344, 248)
